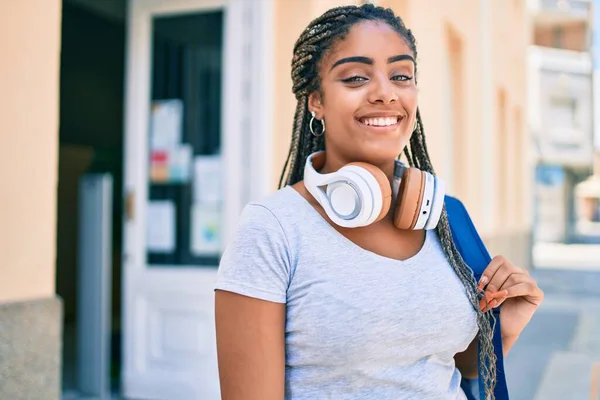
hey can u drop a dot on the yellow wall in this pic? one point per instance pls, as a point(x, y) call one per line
point(29, 70)
point(510, 36)
point(496, 190)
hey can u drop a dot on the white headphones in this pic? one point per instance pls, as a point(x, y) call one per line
point(359, 194)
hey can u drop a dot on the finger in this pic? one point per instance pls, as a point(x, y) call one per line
point(499, 278)
point(526, 288)
point(505, 278)
point(502, 275)
point(485, 306)
point(490, 271)
point(515, 279)
point(496, 295)
point(492, 300)
point(497, 302)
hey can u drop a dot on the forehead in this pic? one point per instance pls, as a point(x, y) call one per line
point(374, 39)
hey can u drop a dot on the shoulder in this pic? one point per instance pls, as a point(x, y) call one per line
point(268, 217)
point(282, 208)
point(257, 261)
point(277, 202)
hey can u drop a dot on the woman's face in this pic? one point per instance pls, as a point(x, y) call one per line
point(369, 98)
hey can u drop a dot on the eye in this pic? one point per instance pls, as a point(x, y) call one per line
point(401, 78)
point(354, 79)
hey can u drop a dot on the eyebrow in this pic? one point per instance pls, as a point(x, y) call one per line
point(369, 61)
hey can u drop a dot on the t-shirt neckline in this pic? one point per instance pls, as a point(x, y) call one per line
point(343, 240)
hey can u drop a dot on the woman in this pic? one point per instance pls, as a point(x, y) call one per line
point(309, 309)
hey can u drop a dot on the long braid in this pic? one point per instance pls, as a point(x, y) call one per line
point(408, 155)
point(485, 321)
point(320, 35)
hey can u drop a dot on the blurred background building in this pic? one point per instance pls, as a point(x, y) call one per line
point(560, 118)
point(560, 90)
point(562, 123)
point(186, 106)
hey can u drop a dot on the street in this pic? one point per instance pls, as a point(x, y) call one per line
point(557, 356)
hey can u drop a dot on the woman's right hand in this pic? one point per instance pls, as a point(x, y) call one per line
point(250, 347)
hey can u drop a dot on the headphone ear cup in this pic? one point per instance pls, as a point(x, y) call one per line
point(384, 187)
point(409, 200)
point(427, 202)
point(438, 204)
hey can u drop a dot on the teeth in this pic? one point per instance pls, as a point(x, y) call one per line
point(387, 121)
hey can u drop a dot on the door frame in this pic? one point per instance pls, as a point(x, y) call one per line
point(246, 123)
point(250, 108)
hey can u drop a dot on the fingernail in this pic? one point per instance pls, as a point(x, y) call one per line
point(497, 295)
point(483, 281)
point(489, 296)
point(493, 303)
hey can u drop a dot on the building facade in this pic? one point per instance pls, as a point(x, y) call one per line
point(187, 104)
point(560, 114)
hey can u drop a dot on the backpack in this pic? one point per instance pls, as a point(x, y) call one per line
point(477, 257)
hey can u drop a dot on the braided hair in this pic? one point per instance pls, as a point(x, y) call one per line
point(319, 37)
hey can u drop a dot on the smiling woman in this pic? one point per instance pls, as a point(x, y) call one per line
point(346, 282)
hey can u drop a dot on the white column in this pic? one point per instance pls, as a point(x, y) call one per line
point(262, 90)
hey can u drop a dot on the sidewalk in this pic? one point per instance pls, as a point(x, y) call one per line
point(558, 355)
point(582, 257)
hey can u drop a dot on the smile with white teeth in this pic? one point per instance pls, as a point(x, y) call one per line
point(380, 121)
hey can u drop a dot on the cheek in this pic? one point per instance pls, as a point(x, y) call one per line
point(410, 99)
point(343, 106)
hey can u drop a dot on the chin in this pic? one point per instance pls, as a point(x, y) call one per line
point(382, 148)
point(379, 155)
point(382, 151)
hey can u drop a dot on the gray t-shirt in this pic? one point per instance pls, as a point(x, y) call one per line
point(358, 325)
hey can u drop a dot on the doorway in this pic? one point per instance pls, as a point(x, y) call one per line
point(91, 140)
point(172, 99)
point(176, 149)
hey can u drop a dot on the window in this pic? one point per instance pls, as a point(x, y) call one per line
point(563, 112)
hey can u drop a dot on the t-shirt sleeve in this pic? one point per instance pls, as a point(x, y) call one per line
point(256, 262)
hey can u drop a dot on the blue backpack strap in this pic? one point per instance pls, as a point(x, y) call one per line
point(474, 253)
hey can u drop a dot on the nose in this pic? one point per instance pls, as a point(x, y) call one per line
point(382, 91)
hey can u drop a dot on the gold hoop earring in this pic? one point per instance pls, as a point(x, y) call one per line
point(310, 125)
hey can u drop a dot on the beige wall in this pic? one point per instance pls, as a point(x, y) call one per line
point(29, 70)
point(452, 78)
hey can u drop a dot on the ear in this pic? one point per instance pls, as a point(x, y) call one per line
point(315, 104)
